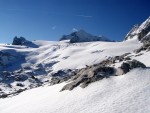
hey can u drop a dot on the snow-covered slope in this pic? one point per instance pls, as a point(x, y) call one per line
point(121, 94)
point(72, 56)
point(32, 67)
point(69, 56)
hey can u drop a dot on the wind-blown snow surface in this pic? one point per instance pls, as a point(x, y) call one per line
point(64, 55)
point(53, 56)
point(119, 94)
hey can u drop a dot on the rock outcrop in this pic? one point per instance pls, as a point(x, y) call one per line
point(61, 76)
point(144, 47)
point(85, 76)
point(88, 75)
point(129, 65)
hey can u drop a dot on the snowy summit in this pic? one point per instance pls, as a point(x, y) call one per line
point(82, 36)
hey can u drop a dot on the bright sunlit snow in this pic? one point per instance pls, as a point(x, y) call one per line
point(122, 94)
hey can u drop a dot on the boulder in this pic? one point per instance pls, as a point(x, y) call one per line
point(127, 66)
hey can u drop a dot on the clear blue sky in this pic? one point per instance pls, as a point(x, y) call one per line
point(50, 19)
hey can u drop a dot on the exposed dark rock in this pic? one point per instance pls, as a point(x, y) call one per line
point(127, 58)
point(21, 77)
point(39, 71)
point(30, 73)
point(74, 39)
point(135, 64)
point(61, 76)
point(20, 90)
point(145, 46)
point(57, 80)
point(3, 95)
point(48, 65)
point(122, 57)
point(140, 32)
point(6, 77)
point(62, 73)
point(138, 50)
point(19, 41)
point(82, 36)
point(127, 66)
point(19, 84)
point(143, 33)
point(138, 54)
point(22, 41)
point(115, 59)
point(88, 75)
point(97, 72)
point(146, 39)
point(106, 62)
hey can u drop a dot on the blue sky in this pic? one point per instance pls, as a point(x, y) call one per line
point(50, 19)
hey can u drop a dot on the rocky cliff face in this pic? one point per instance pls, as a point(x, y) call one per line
point(139, 32)
point(19, 41)
point(132, 32)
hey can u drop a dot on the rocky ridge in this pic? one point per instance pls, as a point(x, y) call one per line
point(139, 32)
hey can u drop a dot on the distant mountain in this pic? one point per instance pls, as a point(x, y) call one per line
point(22, 41)
point(139, 32)
point(82, 36)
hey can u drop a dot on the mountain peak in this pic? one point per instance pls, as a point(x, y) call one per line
point(22, 41)
point(19, 41)
point(82, 36)
point(139, 32)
